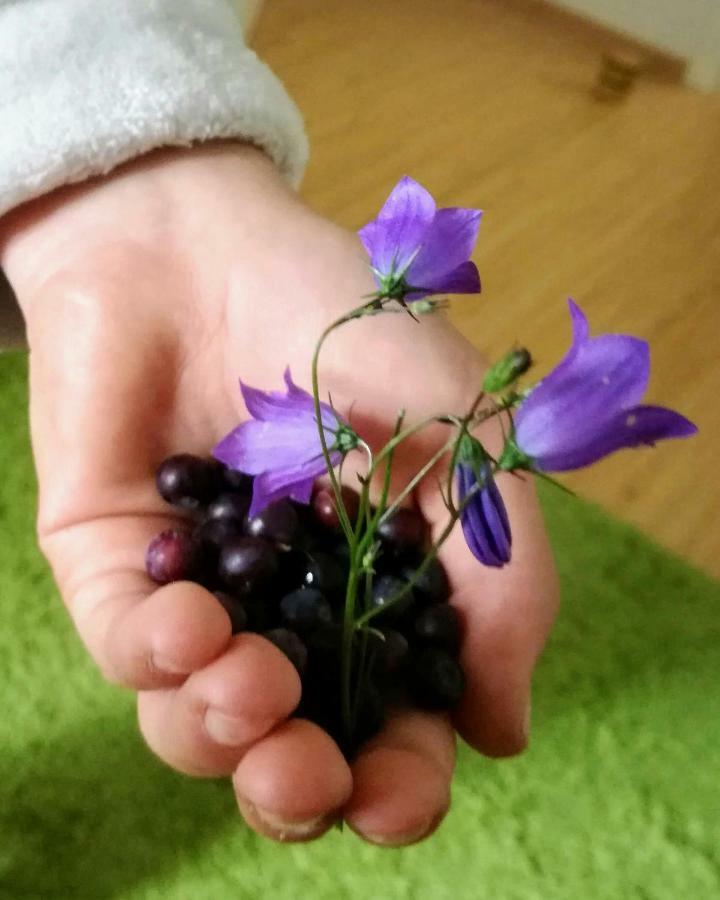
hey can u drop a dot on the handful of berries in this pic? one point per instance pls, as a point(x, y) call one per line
point(283, 573)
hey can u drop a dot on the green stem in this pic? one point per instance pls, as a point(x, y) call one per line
point(341, 510)
point(370, 614)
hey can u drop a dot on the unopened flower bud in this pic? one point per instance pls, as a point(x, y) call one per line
point(502, 373)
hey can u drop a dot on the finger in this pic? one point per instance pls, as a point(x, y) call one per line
point(205, 726)
point(141, 636)
point(506, 614)
point(402, 780)
point(292, 785)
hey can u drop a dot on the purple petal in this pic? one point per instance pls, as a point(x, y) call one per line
point(484, 520)
point(598, 378)
point(256, 446)
point(294, 481)
point(448, 243)
point(395, 235)
point(639, 425)
point(463, 280)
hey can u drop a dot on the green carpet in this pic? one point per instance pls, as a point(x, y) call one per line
point(617, 797)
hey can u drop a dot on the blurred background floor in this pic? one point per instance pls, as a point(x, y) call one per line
point(489, 104)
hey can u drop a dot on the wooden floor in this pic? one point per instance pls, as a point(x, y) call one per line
point(488, 105)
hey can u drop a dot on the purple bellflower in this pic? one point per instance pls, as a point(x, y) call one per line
point(484, 519)
point(280, 445)
point(589, 405)
point(417, 249)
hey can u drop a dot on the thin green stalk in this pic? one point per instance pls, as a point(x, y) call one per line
point(370, 614)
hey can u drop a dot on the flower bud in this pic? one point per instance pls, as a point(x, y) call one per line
point(502, 373)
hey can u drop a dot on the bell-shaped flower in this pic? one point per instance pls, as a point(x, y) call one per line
point(280, 444)
point(417, 249)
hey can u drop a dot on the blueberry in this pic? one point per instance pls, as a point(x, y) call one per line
point(325, 508)
point(291, 646)
point(234, 608)
point(188, 481)
point(432, 586)
point(436, 679)
point(305, 610)
point(278, 523)
point(172, 556)
point(384, 589)
point(325, 572)
point(438, 626)
point(403, 532)
point(228, 506)
point(248, 565)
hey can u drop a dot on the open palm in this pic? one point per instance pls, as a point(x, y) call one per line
point(147, 295)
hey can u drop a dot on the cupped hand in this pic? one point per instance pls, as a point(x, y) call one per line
point(147, 295)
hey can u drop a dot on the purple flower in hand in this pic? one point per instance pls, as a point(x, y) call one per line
point(417, 249)
point(280, 445)
point(589, 405)
point(484, 519)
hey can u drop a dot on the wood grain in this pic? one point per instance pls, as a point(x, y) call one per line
point(618, 205)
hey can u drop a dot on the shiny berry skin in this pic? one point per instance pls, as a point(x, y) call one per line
point(389, 652)
point(404, 531)
point(236, 482)
point(172, 556)
point(278, 523)
point(432, 586)
point(325, 509)
point(218, 531)
point(436, 679)
point(228, 506)
point(305, 611)
point(438, 626)
point(325, 572)
point(384, 589)
point(234, 608)
point(291, 646)
point(248, 565)
point(188, 481)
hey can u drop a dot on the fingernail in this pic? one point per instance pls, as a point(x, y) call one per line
point(280, 828)
point(401, 840)
point(232, 731)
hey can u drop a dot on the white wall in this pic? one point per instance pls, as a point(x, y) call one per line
point(689, 29)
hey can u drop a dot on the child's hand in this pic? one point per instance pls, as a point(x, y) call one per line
point(146, 296)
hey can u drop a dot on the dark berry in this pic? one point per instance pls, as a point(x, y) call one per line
point(228, 506)
point(436, 679)
point(326, 573)
point(172, 556)
point(291, 646)
point(218, 531)
point(432, 585)
point(438, 626)
point(389, 652)
point(384, 590)
point(247, 565)
point(325, 508)
point(305, 610)
point(188, 481)
point(234, 608)
point(237, 482)
point(278, 523)
point(403, 531)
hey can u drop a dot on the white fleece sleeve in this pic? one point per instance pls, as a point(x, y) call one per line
point(88, 84)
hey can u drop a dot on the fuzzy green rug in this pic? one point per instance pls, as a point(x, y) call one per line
point(617, 798)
